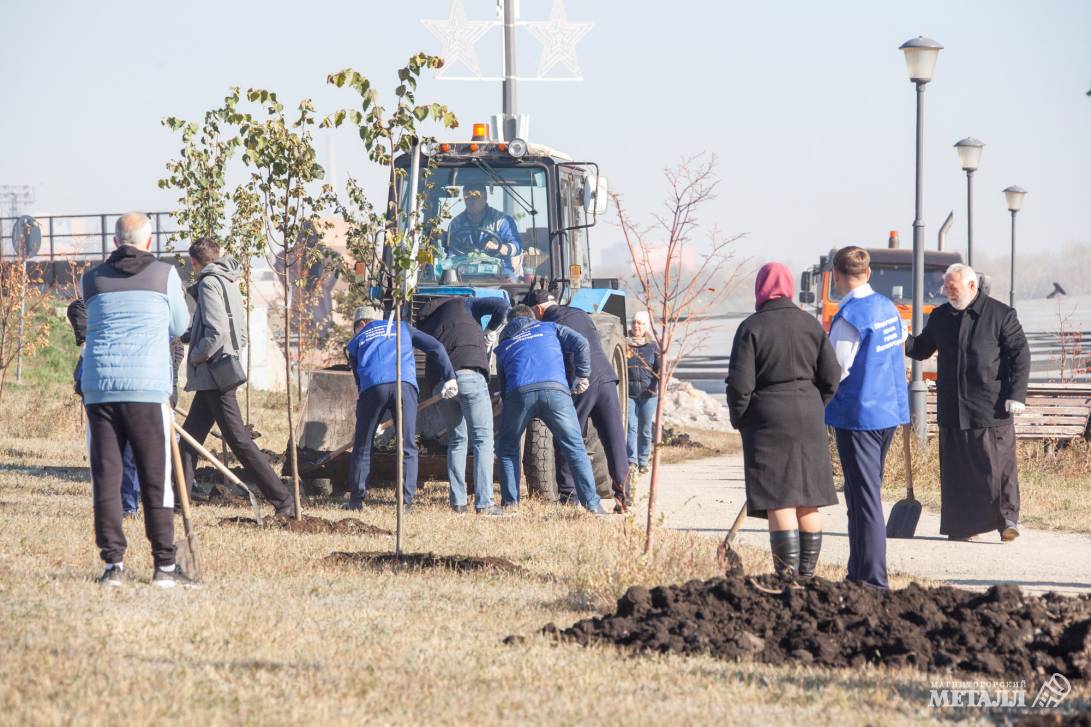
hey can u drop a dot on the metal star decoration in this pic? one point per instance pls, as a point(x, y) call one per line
point(558, 37)
point(457, 35)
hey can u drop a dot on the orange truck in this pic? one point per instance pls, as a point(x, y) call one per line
point(891, 275)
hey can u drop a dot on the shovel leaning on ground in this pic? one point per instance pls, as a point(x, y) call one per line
point(185, 550)
point(906, 513)
point(222, 468)
point(725, 553)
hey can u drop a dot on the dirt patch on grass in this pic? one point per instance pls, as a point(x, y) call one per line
point(1077, 719)
point(421, 561)
point(1001, 633)
point(309, 524)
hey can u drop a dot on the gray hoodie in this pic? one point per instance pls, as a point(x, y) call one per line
point(210, 333)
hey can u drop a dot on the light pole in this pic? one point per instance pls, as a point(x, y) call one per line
point(1014, 196)
point(920, 59)
point(969, 154)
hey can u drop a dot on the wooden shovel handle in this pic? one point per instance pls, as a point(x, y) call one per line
point(180, 481)
point(908, 462)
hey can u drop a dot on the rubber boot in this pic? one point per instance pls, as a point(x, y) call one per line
point(785, 547)
point(810, 545)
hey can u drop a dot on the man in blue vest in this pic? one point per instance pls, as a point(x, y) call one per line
point(373, 356)
point(600, 403)
point(134, 303)
point(871, 403)
point(530, 365)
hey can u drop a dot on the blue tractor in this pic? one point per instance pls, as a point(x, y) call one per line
point(534, 232)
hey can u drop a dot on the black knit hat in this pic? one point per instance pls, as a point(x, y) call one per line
point(537, 297)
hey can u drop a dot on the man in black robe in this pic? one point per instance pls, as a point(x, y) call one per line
point(981, 383)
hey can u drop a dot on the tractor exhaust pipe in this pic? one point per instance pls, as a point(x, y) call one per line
point(943, 230)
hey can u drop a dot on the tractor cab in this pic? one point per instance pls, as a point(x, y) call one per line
point(509, 216)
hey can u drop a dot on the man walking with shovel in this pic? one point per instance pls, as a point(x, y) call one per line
point(134, 302)
point(216, 333)
point(872, 401)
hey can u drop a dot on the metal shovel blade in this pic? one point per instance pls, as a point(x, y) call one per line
point(903, 519)
point(906, 512)
point(185, 555)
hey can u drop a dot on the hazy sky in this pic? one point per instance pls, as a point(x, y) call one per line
point(806, 105)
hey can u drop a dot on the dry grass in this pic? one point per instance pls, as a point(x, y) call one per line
point(1054, 480)
point(276, 637)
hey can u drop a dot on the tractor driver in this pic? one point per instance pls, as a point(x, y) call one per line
point(481, 228)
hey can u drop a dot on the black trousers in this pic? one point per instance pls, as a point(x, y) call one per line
point(212, 406)
point(146, 428)
point(601, 405)
point(978, 480)
point(863, 454)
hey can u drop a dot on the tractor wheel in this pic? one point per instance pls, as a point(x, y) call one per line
point(539, 468)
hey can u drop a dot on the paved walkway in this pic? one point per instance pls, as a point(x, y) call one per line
point(705, 496)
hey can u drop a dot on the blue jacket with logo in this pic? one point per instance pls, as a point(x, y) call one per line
point(373, 355)
point(875, 394)
point(530, 355)
point(134, 302)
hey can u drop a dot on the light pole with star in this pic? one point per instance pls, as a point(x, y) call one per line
point(558, 36)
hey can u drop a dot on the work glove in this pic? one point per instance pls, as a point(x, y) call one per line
point(580, 386)
point(491, 338)
point(1014, 407)
point(450, 389)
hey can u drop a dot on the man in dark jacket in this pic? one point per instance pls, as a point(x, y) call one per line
point(981, 384)
point(219, 329)
point(600, 403)
point(530, 365)
point(134, 303)
point(456, 323)
point(373, 354)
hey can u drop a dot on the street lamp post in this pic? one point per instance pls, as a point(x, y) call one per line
point(1014, 196)
point(920, 60)
point(969, 155)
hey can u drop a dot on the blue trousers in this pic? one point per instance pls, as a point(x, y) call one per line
point(641, 420)
point(371, 406)
point(601, 405)
point(863, 454)
point(556, 410)
point(469, 420)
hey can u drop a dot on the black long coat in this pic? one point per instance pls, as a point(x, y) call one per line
point(783, 372)
point(983, 361)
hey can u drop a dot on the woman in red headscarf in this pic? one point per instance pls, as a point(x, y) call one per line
point(783, 371)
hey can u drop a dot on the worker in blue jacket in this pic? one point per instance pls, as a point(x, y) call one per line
point(530, 365)
point(373, 355)
point(872, 401)
point(599, 403)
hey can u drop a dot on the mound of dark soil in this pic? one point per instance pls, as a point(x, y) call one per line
point(310, 524)
point(419, 561)
point(1001, 632)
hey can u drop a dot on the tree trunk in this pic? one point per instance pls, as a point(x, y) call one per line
point(653, 481)
point(288, 387)
point(398, 436)
point(249, 343)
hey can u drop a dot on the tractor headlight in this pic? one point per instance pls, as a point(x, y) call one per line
point(517, 148)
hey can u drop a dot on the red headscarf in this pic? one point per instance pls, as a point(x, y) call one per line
point(774, 281)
